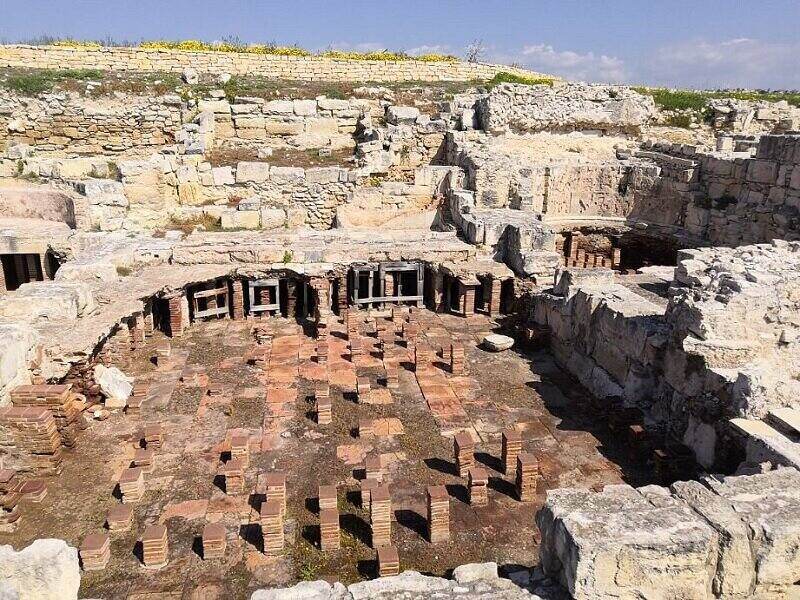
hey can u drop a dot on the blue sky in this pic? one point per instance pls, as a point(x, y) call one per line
point(697, 43)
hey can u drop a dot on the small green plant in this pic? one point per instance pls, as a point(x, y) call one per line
point(40, 81)
point(682, 120)
point(123, 271)
point(287, 257)
point(506, 77)
point(205, 221)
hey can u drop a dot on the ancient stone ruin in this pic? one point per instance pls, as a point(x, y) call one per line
point(273, 343)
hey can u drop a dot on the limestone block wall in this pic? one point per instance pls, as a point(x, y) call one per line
point(310, 68)
point(751, 117)
point(152, 192)
point(564, 107)
point(733, 199)
point(553, 186)
point(316, 123)
point(723, 348)
point(69, 122)
point(733, 537)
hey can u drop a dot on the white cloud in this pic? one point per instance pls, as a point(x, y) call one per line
point(738, 62)
point(586, 66)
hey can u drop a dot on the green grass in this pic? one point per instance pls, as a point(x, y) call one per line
point(668, 99)
point(505, 77)
point(39, 82)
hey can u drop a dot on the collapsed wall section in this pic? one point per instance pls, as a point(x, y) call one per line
point(723, 348)
point(735, 537)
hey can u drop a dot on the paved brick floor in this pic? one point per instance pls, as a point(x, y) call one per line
point(273, 407)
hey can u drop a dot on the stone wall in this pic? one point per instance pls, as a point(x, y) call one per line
point(733, 199)
point(564, 107)
point(724, 347)
point(751, 117)
point(309, 68)
point(69, 122)
point(733, 537)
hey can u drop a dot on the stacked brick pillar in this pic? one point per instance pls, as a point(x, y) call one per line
point(175, 306)
point(30, 439)
point(237, 299)
point(438, 514)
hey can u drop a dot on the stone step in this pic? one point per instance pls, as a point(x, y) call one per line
point(787, 420)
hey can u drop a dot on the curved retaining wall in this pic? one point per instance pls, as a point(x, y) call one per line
point(309, 68)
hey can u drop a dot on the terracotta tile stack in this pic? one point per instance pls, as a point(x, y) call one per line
point(367, 485)
point(392, 375)
point(322, 350)
point(59, 399)
point(33, 490)
point(155, 549)
point(438, 513)
point(10, 513)
point(511, 447)
point(260, 355)
point(275, 489)
point(33, 432)
point(373, 467)
point(423, 358)
point(272, 527)
point(95, 551)
point(457, 358)
point(478, 487)
point(329, 538)
point(366, 428)
point(234, 476)
point(464, 451)
point(322, 394)
point(143, 458)
point(153, 436)
point(138, 396)
point(213, 541)
point(131, 485)
point(410, 332)
point(362, 388)
point(381, 516)
point(527, 474)
point(240, 448)
point(327, 497)
point(388, 561)
point(163, 351)
point(119, 518)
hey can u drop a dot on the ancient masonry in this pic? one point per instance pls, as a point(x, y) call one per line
point(249, 340)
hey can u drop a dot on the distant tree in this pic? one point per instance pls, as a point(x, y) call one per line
point(475, 51)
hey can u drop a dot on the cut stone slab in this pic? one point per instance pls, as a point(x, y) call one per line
point(497, 343)
point(48, 569)
point(115, 385)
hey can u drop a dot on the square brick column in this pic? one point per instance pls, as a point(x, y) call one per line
point(464, 451)
point(527, 475)
point(272, 527)
point(237, 299)
point(381, 516)
point(438, 293)
point(493, 300)
point(3, 286)
point(478, 487)
point(341, 298)
point(175, 316)
point(511, 447)
point(291, 298)
point(438, 514)
point(468, 300)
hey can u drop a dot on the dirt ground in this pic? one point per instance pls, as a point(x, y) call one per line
point(274, 406)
